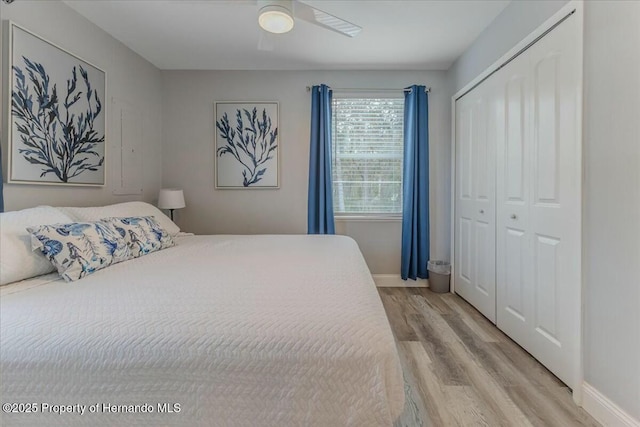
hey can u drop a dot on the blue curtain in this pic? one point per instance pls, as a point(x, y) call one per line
point(1, 185)
point(415, 185)
point(320, 206)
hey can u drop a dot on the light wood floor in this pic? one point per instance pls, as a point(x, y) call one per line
point(460, 370)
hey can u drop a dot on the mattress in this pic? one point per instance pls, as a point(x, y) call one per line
point(216, 331)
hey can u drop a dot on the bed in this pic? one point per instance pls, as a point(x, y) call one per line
point(215, 331)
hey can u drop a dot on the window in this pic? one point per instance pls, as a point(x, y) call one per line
point(367, 155)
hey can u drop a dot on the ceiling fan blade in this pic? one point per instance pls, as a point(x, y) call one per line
point(325, 20)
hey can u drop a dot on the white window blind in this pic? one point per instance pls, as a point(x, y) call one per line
point(367, 155)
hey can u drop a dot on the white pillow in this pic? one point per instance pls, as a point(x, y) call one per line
point(17, 260)
point(127, 209)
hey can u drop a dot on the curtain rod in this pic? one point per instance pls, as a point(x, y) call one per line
point(518, 53)
point(361, 89)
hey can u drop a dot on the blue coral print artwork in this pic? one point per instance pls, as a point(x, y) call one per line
point(247, 143)
point(57, 115)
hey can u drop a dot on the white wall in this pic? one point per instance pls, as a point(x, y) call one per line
point(129, 78)
point(612, 200)
point(188, 155)
point(611, 234)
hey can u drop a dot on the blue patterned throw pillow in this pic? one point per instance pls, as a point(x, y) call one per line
point(81, 248)
point(143, 234)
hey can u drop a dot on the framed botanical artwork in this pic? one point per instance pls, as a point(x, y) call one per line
point(57, 117)
point(247, 145)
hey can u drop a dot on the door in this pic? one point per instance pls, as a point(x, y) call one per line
point(476, 121)
point(539, 199)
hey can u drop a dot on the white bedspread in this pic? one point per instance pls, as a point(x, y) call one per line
point(237, 330)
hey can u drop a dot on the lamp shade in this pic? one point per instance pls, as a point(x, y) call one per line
point(275, 16)
point(171, 198)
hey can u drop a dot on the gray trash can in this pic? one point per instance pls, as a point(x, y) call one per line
point(439, 274)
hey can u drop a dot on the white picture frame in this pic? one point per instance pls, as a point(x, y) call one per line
point(61, 139)
point(247, 145)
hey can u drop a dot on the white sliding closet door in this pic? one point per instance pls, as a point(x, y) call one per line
point(518, 198)
point(539, 204)
point(476, 131)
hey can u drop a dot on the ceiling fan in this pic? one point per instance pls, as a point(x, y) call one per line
point(278, 16)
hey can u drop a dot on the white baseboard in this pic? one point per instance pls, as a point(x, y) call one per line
point(604, 410)
point(394, 281)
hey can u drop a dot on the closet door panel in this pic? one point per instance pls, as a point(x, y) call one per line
point(465, 152)
point(538, 194)
point(555, 203)
point(515, 139)
point(464, 201)
point(513, 262)
point(546, 261)
point(546, 166)
point(475, 201)
point(466, 252)
point(484, 283)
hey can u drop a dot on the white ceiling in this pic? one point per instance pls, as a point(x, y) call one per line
point(224, 34)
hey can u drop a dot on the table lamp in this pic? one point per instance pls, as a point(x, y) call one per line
point(171, 198)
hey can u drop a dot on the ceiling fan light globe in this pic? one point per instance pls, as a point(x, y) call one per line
point(275, 19)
